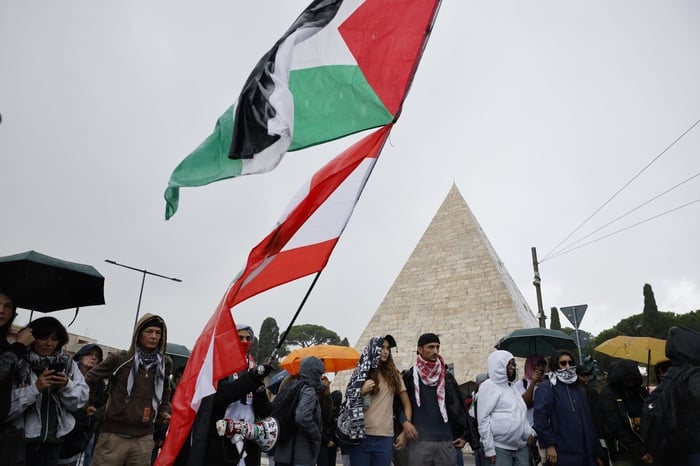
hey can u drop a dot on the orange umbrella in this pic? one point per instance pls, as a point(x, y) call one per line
point(335, 358)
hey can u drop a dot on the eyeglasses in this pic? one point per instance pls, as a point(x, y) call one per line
point(566, 362)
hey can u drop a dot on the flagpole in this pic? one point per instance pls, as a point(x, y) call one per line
point(273, 356)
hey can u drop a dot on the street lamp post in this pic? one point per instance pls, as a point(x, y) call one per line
point(143, 281)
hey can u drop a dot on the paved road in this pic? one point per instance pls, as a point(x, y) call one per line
point(468, 459)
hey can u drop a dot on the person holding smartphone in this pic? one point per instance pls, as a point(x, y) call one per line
point(48, 387)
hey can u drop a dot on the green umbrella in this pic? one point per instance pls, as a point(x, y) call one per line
point(42, 283)
point(525, 342)
point(179, 354)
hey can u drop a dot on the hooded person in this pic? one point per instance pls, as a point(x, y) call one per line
point(77, 441)
point(247, 407)
point(620, 403)
point(11, 439)
point(368, 412)
point(138, 395)
point(302, 448)
point(683, 349)
point(502, 413)
point(240, 396)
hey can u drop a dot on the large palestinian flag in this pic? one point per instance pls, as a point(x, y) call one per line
point(342, 67)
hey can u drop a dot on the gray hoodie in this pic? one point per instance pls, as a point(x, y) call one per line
point(306, 442)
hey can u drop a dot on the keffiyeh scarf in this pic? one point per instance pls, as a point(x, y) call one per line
point(351, 418)
point(148, 359)
point(32, 362)
point(431, 373)
point(567, 376)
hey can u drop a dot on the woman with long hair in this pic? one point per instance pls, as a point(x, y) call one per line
point(367, 414)
point(563, 419)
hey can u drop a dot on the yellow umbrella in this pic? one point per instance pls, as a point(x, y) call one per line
point(335, 358)
point(644, 350)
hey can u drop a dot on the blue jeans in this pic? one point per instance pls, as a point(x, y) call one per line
point(520, 457)
point(373, 451)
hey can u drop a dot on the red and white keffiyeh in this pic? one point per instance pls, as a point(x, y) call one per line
point(431, 373)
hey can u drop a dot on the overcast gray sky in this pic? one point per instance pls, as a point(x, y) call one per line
point(539, 112)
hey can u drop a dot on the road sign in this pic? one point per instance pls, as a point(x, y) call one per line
point(582, 338)
point(574, 314)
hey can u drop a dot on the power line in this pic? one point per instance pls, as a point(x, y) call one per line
point(547, 256)
point(567, 248)
point(621, 230)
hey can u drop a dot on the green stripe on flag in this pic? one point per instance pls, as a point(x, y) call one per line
point(207, 163)
point(331, 102)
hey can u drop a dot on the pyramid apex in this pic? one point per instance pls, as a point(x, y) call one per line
point(455, 285)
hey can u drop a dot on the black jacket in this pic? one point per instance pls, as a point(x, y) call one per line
point(204, 446)
point(454, 404)
point(683, 349)
point(620, 404)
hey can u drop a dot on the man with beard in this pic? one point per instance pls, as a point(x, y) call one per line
point(502, 416)
point(439, 413)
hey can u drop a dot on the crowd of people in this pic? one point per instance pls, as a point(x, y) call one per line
point(88, 409)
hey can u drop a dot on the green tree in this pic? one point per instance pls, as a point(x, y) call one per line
point(554, 322)
point(649, 300)
point(308, 335)
point(269, 337)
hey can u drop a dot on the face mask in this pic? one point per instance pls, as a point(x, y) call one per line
point(568, 375)
point(246, 345)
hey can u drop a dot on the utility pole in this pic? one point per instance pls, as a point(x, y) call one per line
point(540, 315)
point(143, 280)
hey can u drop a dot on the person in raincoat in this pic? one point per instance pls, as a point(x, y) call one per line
point(502, 415)
point(138, 395)
point(563, 419)
point(621, 403)
point(302, 448)
point(81, 438)
point(48, 388)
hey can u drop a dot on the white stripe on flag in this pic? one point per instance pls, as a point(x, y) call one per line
point(205, 386)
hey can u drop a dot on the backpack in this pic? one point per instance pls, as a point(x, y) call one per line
point(284, 408)
point(659, 426)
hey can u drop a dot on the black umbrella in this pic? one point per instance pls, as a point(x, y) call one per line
point(524, 342)
point(42, 283)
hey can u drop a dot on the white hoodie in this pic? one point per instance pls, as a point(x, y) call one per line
point(501, 412)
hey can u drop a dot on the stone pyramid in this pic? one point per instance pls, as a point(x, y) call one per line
point(453, 284)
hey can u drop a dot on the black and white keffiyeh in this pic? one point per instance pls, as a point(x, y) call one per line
point(148, 359)
point(351, 419)
point(567, 376)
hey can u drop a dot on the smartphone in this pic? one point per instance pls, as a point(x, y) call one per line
point(58, 367)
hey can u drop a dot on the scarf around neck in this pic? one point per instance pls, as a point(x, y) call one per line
point(432, 374)
point(148, 359)
point(567, 376)
point(32, 362)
